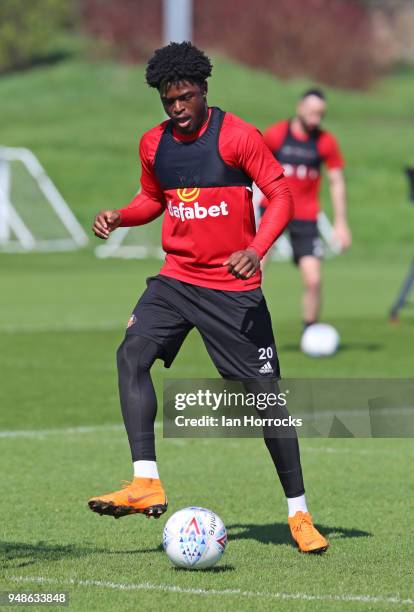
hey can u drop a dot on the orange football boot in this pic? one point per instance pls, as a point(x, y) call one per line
point(306, 536)
point(141, 496)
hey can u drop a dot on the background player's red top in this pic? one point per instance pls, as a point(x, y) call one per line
point(203, 226)
point(303, 176)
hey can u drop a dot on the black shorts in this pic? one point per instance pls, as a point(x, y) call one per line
point(235, 326)
point(305, 240)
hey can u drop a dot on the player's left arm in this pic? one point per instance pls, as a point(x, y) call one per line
point(257, 161)
point(334, 162)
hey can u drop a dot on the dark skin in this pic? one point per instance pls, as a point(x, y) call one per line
point(186, 105)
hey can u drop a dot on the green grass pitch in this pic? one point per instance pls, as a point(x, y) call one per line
point(62, 317)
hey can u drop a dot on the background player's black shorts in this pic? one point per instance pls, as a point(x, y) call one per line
point(305, 240)
point(235, 326)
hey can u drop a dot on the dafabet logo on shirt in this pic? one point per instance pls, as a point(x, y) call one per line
point(188, 194)
point(195, 211)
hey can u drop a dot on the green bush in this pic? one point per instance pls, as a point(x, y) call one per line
point(29, 29)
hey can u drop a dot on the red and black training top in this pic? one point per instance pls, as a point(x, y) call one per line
point(202, 184)
point(301, 157)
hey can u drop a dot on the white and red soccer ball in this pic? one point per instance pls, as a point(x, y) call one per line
point(194, 538)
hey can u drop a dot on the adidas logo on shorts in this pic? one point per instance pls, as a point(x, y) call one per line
point(266, 368)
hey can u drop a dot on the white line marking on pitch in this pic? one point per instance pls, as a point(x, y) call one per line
point(42, 433)
point(148, 586)
point(328, 449)
point(68, 327)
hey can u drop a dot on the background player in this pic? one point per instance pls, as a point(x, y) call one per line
point(197, 170)
point(301, 146)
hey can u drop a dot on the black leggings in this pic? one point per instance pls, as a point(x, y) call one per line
point(283, 447)
point(135, 357)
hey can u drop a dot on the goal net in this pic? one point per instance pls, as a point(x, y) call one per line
point(33, 214)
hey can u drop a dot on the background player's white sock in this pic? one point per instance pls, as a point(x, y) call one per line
point(146, 469)
point(296, 504)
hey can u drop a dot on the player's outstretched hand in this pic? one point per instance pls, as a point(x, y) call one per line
point(243, 264)
point(105, 222)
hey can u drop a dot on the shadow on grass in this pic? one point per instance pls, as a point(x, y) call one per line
point(20, 554)
point(136, 551)
point(221, 569)
point(49, 59)
point(279, 533)
point(370, 347)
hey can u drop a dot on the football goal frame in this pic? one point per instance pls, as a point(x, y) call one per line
point(15, 233)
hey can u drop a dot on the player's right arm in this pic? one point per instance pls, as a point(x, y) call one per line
point(252, 155)
point(146, 206)
point(273, 136)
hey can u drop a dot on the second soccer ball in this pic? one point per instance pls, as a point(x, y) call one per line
point(320, 340)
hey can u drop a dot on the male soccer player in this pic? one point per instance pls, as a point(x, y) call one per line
point(197, 170)
point(301, 147)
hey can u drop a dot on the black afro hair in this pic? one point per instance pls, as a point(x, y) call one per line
point(177, 62)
